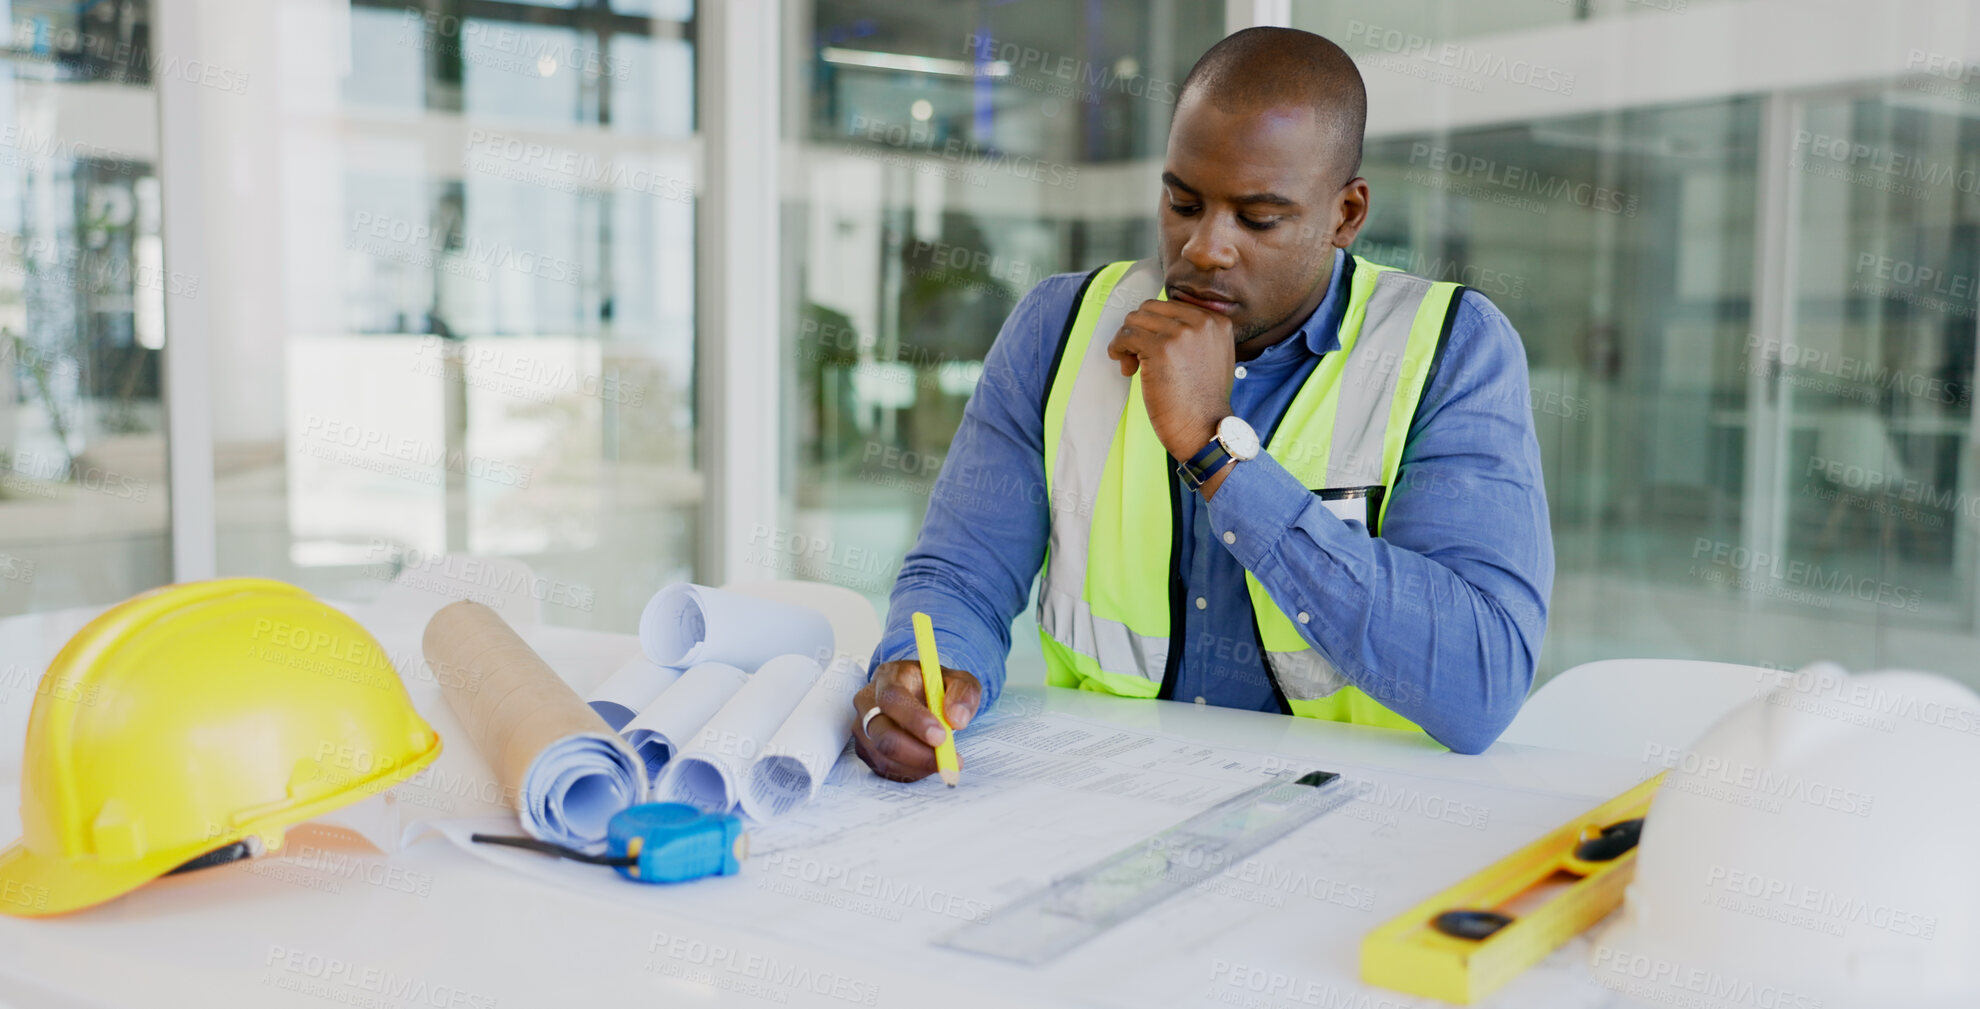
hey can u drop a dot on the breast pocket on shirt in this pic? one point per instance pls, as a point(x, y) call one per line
point(1354, 504)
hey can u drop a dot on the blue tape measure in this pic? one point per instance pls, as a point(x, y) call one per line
point(657, 842)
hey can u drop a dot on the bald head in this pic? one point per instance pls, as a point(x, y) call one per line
point(1259, 69)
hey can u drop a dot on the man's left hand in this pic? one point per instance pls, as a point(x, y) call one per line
point(1185, 355)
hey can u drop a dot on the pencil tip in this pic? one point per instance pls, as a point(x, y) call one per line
point(951, 778)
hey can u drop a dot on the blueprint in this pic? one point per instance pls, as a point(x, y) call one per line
point(872, 862)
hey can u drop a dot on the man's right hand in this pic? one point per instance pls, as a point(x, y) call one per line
point(899, 742)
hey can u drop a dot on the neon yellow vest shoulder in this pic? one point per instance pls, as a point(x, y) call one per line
point(1108, 599)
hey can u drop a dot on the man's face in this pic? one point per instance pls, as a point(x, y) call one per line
point(1252, 210)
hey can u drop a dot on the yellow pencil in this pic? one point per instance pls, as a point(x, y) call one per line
point(931, 684)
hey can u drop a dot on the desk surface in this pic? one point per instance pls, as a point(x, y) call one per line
point(432, 926)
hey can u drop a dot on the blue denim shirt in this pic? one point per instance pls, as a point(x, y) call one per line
point(1440, 617)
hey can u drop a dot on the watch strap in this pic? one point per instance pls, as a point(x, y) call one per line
point(1203, 465)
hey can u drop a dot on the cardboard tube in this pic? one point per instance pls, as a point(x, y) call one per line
point(561, 767)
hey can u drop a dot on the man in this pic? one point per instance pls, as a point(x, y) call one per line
point(1270, 475)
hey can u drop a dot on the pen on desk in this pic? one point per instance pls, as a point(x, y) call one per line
point(931, 684)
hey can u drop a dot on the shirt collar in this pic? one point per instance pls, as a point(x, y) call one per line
point(1320, 333)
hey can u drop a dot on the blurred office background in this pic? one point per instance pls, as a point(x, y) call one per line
point(326, 289)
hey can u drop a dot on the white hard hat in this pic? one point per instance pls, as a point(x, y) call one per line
point(1813, 850)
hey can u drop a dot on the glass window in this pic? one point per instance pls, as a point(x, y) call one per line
point(1739, 469)
point(1875, 384)
point(948, 160)
point(1756, 427)
point(84, 501)
point(480, 304)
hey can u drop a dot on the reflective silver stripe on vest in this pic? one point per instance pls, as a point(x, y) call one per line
point(1093, 411)
point(1368, 382)
point(1305, 675)
point(1361, 424)
point(1118, 649)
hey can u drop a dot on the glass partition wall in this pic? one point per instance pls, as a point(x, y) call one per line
point(466, 297)
point(84, 502)
point(943, 159)
point(447, 275)
point(1751, 348)
point(1748, 312)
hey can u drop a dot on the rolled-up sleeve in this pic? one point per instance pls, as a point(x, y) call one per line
point(1440, 618)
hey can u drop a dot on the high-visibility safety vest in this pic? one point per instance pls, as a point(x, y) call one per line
point(1110, 604)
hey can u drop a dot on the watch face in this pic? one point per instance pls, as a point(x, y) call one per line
point(1238, 438)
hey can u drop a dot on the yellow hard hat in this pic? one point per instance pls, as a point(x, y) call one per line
point(194, 718)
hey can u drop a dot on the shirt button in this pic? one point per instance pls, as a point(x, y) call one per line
point(1230, 538)
point(1199, 698)
point(1303, 618)
point(1240, 371)
point(1201, 602)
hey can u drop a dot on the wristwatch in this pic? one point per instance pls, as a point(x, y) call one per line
point(1235, 440)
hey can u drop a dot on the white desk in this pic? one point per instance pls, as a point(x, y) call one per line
point(431, 926)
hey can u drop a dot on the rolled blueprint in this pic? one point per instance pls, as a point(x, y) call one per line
point(630, 691)
point(709, 772)
point(559, 764)
point(670, 722)
point(795, 762)
point(684, 625)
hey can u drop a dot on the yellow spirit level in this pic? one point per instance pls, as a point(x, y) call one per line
point(1466, 942)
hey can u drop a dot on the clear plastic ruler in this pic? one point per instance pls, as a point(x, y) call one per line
point(1041, 926)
